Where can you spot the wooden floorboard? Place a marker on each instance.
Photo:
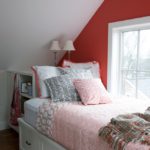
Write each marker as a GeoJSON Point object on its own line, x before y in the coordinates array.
{"type": "Point", "coordinates": [9, 140]}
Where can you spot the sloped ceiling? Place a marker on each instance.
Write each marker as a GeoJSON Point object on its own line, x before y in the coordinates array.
{"type": "Point", "coordinates": [28, 26]}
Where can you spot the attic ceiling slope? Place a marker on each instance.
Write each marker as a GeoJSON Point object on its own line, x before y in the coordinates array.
{"type": "Point", "coordinates": [27, 27]}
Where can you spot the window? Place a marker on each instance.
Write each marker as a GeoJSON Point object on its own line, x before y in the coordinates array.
{"type": "Point", "coordinates": [129, 58]}
{"type": "Point", "coordinates": [135, 63]}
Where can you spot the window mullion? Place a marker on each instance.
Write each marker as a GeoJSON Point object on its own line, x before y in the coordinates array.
{"type": "Point", "coordinates": [120, 87]}
{"type": "Point", "coordinates": [137, 63]}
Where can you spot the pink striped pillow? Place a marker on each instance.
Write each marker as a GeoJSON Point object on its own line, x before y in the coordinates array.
{"type": "Point", "coordinates": [92, 91]}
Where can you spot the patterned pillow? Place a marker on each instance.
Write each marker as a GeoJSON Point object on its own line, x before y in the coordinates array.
{"type": "Point", "coordinates": [44, 72]}
{"type": "Point", "coordinates": [92, 91]}
{"type": "Point", "coordinates": [61, 88]}
{"type": "Point", "coordinates": [74, 71]}
{"type": "Point", "coordinates": [93, 66]}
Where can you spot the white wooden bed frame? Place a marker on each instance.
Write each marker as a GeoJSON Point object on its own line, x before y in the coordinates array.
{"type": "Point", "coordinates": [31, 139]}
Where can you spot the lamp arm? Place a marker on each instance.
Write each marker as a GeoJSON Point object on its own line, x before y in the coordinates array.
{"type": "Point", "coordinates": [55, 58]}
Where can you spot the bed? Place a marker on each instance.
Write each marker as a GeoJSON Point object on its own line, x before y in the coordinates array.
{"type": "Point", "coordinates": [78, 133]}
{"type": "Point", "coordinates": [76, 108]}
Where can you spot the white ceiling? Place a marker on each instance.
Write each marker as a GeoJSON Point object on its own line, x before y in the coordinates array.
{"type": "Point", "coordinates": [28, 26]}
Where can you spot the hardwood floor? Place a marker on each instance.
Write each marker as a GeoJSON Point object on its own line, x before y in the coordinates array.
{"type": "Point", "coordinates": [9, 140]}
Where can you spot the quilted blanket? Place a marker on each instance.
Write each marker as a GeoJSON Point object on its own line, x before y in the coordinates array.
{"type": "Point", "coordinates": [129, 130]}
{"type": "Point", "coordinates": [76, 126]}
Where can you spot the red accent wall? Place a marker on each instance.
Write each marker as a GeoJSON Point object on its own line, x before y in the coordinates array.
{"type": "Point", "coordinates": [92, 43]}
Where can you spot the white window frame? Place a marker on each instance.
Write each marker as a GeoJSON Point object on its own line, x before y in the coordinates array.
{"type": "Point", "coordinates": [114, 46]}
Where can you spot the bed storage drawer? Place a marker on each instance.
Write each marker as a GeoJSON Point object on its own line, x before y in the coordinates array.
{"type": "Point", "coordinates": [31, 139]}
{"type": "Point", "coordinates": [28, 139]}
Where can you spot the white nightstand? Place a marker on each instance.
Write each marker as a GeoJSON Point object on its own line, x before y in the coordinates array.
{"type": "Point", "coordinates": [23, 77]}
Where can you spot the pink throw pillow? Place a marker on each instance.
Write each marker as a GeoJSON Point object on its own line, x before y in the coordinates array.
{"type": "Point", "coordinates": [92, 91]}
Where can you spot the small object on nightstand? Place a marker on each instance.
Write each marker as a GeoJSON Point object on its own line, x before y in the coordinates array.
{"type": "Point", "coordinates": [29, 87]}
{"type": "Point", "coordinates": [24, 88]}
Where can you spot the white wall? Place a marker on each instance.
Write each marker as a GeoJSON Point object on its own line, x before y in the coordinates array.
{"type": "Point", "coordinates": [3, 100]}
{"type": "Point", "coordinates": [28, 26]}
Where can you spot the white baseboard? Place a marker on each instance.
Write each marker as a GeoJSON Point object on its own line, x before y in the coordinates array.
{"type": "Point", "coordinates": [4, 125]}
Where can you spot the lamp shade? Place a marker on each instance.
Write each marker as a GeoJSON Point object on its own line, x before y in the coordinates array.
{"type": "Point", "coordinates": [69, 46]}
{"type": "Point", "coordinates": [55, 46]}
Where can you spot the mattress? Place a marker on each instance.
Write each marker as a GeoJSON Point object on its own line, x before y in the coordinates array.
{"type": "Point", "coordinates": [80, 123]}
{"type": "Point", "coordinates": [31, 108]}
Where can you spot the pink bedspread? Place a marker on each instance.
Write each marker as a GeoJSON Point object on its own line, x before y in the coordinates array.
{"type": "Point", "coordinates": [76, 126]}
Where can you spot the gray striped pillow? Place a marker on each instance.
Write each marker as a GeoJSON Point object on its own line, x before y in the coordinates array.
{"type": "Point", "coordinates": [61, 88]}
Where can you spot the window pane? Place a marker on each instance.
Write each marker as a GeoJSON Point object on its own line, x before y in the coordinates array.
{"type": "Point", "coordinates": [143, 87]}
{"type": "Point", "coordinates": [128, 63]}
{"type": "Point", "coordinates": [128, 80]}
{"type": "Point", "coordinates": [129, 50]}
{"type": "Point", "coordinates": [144, 51]}
{"type": "Point", "coordinates": [144, 64]}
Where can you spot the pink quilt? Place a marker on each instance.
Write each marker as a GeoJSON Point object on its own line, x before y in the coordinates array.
{"type": "Point", "coordinates": [76, 126]}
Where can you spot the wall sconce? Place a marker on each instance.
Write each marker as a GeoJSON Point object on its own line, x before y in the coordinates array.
{"type": "Point", "coordinates": [55, 48]}
{"type": "Point", "coordinates": [69, 47]}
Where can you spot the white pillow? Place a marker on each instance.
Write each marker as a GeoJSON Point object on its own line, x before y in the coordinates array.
{"type": "Point", "coordinates": [93, 66]}
{"type": "Point", "coordinates": [44, 72]}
